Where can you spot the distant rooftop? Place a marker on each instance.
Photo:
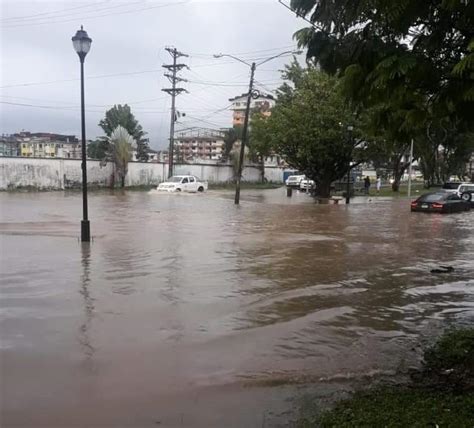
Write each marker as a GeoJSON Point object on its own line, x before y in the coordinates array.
{"type": "Point", "coordinates": [262, 95]}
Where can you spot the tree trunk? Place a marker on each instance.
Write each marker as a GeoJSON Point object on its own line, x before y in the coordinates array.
{"type": "Point", "coordinates": [398, 170]}
{"type": "Point", "coordinates": [396, 183]}
{"type": "Point", "coordinates": [262, 169]}
{"type": "Point", "coordinates": [324, 189]}
{"type": "Point", "coordinates": [123, 181]}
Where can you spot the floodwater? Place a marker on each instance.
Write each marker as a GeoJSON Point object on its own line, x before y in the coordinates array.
{"type": "Point", "coordinates": [188, 311]}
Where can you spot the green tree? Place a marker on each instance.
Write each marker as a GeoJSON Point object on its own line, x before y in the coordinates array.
{"type": "Point", "coordinates": [121, 143]}
{"type": "Point", "coordinates": [231, 136]}
{"type": "Point", "coordinates": [424, 47]}
{"type": "Point", "coordinates": [121, 115]}
{"type": "Point", "coordinates": [259, 148]}
{"type": "Point", "coordinates": [414, 58]}
{"type": "Point", "coordinates": [308, 127]}
{"type": "Point", "coordinates": [98, 149]}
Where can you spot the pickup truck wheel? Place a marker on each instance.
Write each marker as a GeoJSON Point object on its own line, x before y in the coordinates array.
{"type": "Point", "coordinates": [201, 189]}
{"type": "Point", "coordinates": [178, 190]}
{"type": "Point", "coordinates": [466, 196]}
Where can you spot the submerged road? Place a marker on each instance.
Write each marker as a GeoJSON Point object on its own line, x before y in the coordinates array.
{"type": "Point", "coordinates": [188, 311]}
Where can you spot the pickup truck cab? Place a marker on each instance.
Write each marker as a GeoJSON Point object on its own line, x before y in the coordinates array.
{"type": "Point", "coordinates": [464, 190]}
{"type": "Point", "coordinates": [183, 183]}
{"type": "Point", "coordinates": [294, 181]}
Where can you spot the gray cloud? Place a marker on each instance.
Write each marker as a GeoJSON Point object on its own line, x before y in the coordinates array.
{"type": "Point", "coordinates": [131, 39]}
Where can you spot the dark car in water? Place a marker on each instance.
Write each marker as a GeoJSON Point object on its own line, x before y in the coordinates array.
{"type": "Point", "coordinates": [440, 202]}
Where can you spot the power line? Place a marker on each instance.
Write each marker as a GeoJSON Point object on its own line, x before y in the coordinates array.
{"type": "Point", "coordinates": [198, 119]}
{"type": "Point", "coordinates": [98, 16]}
{"type": "Point", "coordinates": [100, 76]}
{"type": "Point", "coordinates": [91, 105]}
{"type": "Point", "coordinates": [73, 108]}
{"type": "Point", "coordinates": [52, 12]}
{"type": "Point", "coordinates": [211, 55]}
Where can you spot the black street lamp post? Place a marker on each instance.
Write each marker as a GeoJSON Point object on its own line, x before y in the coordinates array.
{"type": "Point", "coordinates": [82, 44]}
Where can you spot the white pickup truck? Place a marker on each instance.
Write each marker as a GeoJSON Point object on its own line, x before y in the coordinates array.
{"type": "Point", "coordinates": [183, 183]}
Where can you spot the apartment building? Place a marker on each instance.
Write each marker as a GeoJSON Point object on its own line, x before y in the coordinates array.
{"type": "Point", "coordinates": [199, 143]}
{"type": "Point", "coordinates": [264, 103]}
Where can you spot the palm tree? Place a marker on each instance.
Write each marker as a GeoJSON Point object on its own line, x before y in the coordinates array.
{"type": "Point", "coordinates": [121, 144]}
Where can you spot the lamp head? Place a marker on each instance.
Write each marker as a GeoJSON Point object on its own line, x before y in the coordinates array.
{"type": "Point", "coordinates": [81, 43]}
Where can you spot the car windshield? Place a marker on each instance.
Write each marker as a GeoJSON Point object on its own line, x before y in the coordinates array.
{"type": "Point", "coordinates": [175, 179]}
{"type": "Point", "coordinates": [432, 197]}
{"type": "Point", "coordinates": [450, 186]}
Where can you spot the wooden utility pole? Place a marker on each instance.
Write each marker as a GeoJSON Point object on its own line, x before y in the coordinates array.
{"type": "Point", "coordinates": [245, 133]}
{"type": "Point", "coordinates": [173, 91]}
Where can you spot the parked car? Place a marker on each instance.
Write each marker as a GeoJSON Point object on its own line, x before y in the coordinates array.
{"type": "Point", "coordinates": [440, 202]}
{"type": "Point", "coordinates": [183, 183]}
{"type": "Point", "coordinates": [306, 184]}
{"type": "Point", "coordinates": [294, 180]}
{"type": "Point", "coordinates": [465, 191]}
{"type": "Point", "coordinates": [451, 186]}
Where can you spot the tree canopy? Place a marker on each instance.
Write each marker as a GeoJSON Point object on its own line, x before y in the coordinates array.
{"type": "Point", "coordinates": [309, 127]}
{"type": "Point", "coordinates": [382, 47]}
{"type": "Point", "coordinates": [410, 61]}
{"type": "Point", "coordinates": [121, 115]}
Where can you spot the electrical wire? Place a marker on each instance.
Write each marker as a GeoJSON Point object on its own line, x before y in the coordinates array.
{"type": "Point", "coordinates": [100, 76]}
{"type": "Point", "coordinates": [27, 17]}
{"type": "Point", "coordinates": [99, 16]}
{"type": "Point", "coordinates": [211, 55]}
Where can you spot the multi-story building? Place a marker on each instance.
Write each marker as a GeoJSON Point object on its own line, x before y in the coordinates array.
{"type": "Point", "coordinates": [199, 143]}
{"type": "Point", "coordinates": [264, 103]}
{"type": "Point", "coordinates": [46, 145]}
{"type": "Point", "coordinates": [9, 146]}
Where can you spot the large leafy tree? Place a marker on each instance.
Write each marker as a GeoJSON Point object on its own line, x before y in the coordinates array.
{"type": "Point", "coordinates": [231, 136]}
{"type": "Point", "coordinates": [121, 143]}
{"type": "Point", "coordinates": [426, 46]}
{"type": "Point", "coordinates": [308, 127]}
{"type": "Point", "coordinates": [259, 148]}
{"type": "Point", "coordinates": [414, 58]}
{"type": "Point", "coordinates": [98, 149]}
{"type": "Point", "coordinates": [121, 115]}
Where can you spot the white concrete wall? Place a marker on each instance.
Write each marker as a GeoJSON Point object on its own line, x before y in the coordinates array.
{"type": "Point", "coordinates": [55, 174]}
{"type": "Point", "coordinates": [46, 174]}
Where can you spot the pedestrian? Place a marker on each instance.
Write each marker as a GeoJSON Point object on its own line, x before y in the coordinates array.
{"type": "Point", "coordinates": [367, 185]}
{"type": "Point", "coordinates": [378, 184]}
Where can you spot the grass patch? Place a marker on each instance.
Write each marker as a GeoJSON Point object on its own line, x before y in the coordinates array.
{"type": "Point", "coordinates": [399, 407]}
{"type": "Point", "coordinates": [417, 189]}
{"type": "Point", "coordinates": [440, 394]}
{"type": "Point", "coordinates": [449, 363]}
{"type": "Point", "coordinates": [244, 185]}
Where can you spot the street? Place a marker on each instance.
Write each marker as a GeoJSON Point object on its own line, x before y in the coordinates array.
{"type": "Point", "coordinates": [187, 310]}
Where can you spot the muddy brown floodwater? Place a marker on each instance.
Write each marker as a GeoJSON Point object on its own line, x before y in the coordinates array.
{"type": "Point", "coordinates": [189, 311]}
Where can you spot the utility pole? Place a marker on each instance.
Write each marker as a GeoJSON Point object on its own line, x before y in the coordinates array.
{"type": "Point", "coordinates": [350, 129]}
{"type": "Point", "coordinates": [245, 133]}
{"type": "Point", "coordinates": [173, 91]}
{"type": "Point", "coordinates": [409, 168]}
{"type": "Point", "coordinates": [250, 95]}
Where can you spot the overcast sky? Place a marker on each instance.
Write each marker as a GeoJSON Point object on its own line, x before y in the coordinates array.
{"type": "Point", "coordinates": [39, 65]}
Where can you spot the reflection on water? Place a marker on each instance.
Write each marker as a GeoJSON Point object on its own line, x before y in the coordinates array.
{"type": "Point", "coordinates": [88, 303]}
{"type": "Point", "coordinates": [181, 292]}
